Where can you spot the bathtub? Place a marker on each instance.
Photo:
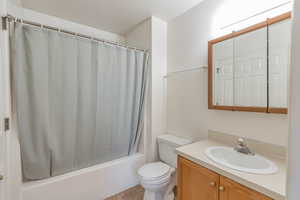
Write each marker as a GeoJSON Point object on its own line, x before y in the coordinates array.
{"type": "Point", "coordinates": [93, 183]}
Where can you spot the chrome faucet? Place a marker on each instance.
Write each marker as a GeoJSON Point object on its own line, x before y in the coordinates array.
{"type": "Point", "coordinates": [243, 148]}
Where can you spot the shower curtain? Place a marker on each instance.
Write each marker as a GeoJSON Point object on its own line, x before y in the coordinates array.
{"type": "Point", "coordinates": [78, 102]}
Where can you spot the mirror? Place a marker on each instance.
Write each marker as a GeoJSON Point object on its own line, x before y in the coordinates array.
{"type": "Point", "coordinates": [248, 69]}
{"type": "Point", "coordinates": [279, 58]}
{"type": "Point", "coordinates": [223, 73]}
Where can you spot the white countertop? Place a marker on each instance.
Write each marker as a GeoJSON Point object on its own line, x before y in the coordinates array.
{"type": "Point", "coordinates": [272, 185]}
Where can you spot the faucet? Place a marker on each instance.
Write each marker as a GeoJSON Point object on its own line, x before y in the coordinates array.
{"type": "Point", "coordinates": [243, 148]}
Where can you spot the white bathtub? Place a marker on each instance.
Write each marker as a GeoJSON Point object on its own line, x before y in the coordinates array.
{"type": "Point", "coordinates": [93, 183]}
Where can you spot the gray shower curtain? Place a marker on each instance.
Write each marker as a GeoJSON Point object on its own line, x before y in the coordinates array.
{"type": "Point", "coordinates": [78, 102]}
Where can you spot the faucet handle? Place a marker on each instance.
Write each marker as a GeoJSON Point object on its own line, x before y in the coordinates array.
{"type": "Point", "coordinates": [241, 141]}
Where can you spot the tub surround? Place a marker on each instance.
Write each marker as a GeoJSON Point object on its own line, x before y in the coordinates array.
{"type": "Point", "coordinates": [271, 185]}
{"type": "Point", "coordinates": [94, 183]}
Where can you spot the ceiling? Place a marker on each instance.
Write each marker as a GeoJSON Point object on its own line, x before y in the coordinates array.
{"type": "Point", "coordinates": [117, 16]}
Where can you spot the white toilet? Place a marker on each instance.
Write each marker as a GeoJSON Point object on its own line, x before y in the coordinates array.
{"type": "Point", "coordinates": [158, 178]}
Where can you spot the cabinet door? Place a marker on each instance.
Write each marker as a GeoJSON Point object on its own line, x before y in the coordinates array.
{"type": "Point", "coordinates": [250, 69]}
{"type": "Point", "coordinates": [223, 73]}
{"type": "Point", "coordinates": [230, 190]}
{"type": "Point", "coordinates": [196, 182]}
{"type": "Point", "coordinates": [279, 62]}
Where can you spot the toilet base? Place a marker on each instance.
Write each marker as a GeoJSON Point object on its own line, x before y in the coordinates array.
{"type": "Point", "coordinates": [165, 193]}
{"type": "Point", "coordinates": [149, 195]}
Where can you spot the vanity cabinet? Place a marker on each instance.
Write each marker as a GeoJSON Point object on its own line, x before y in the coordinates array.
{"type": "Point", "coordinates": [196, 182]}
{"type": "Point", "coordinates": [199, 183]}
{"type": "Point", "coordinates": [230, 190]}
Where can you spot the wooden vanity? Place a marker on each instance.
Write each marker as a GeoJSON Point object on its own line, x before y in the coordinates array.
{"type": "Point", "coordinates": [196, 182]}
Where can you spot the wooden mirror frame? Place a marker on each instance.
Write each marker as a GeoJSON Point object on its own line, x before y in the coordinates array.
{"type": "Point", "coordinates": [267, 109]}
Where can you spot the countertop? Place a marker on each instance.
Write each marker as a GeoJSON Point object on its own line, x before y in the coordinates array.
{"type": "Point", "coordinates": [272, 185]}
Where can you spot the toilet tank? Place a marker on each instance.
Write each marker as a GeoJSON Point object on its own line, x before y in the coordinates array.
{"type": "Point", "coordinates": [166, 148]}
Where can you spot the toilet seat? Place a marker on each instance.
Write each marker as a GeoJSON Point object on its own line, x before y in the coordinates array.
{"type": "Point", "coordinates": [155, 173]}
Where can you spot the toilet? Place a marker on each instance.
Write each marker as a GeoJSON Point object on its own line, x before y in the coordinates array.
{"type": "Point", "coordinates": [158, 178]}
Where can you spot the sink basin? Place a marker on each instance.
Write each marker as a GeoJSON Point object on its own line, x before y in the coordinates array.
{"type": "Point", "coordinates": [228, 157]}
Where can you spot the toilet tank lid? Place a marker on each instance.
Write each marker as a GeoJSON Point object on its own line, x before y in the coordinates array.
{"type": "Point", "coordinates": [174, 140]}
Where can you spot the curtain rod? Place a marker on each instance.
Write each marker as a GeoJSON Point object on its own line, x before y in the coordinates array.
{"type": "Point", "coordinates": [10, 18]}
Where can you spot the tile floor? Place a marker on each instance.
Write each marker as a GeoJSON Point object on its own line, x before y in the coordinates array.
{"type": "Point", "coordinates": [135, 193]}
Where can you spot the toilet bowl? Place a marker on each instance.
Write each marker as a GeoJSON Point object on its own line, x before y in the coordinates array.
{"type": "Point", "coordinates": [158, 178]}
{"type": "Point", "coordinates": [155, 179]}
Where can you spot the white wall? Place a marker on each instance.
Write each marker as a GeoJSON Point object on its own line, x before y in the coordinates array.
{"type": "Point", "coordinates": [186, 104]}
{"type": "Point", "coordinates": [11, 173]}
{"type": "Point", "coordinates": [37, 17]}
{"type": "Point", "coordinates": [158, 87]}
{"type": "Point", "coordinates": [188, 35]}
{"type": "Point", "coordinates": [3, 69]}
{"type": "Point", "coordinates": [151, 34]}
{"type": "Point", "coordinates": [294, 137]}
{"type": "Point", "coordinates": [140, 35]}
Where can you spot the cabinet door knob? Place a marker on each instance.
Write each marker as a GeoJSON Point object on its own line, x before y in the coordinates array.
{"type": "Point", "coordinates": [213, 184]}
{"type": "Point", "coordinates": [221, 188]}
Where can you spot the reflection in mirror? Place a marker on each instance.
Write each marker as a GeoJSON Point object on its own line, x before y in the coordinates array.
{"type": "Point", "coordinates": [279, 61]}
{"type": "Point", "coordinates": [250, 66]}
{"type": "Point", "coordinates": [223, 73]}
